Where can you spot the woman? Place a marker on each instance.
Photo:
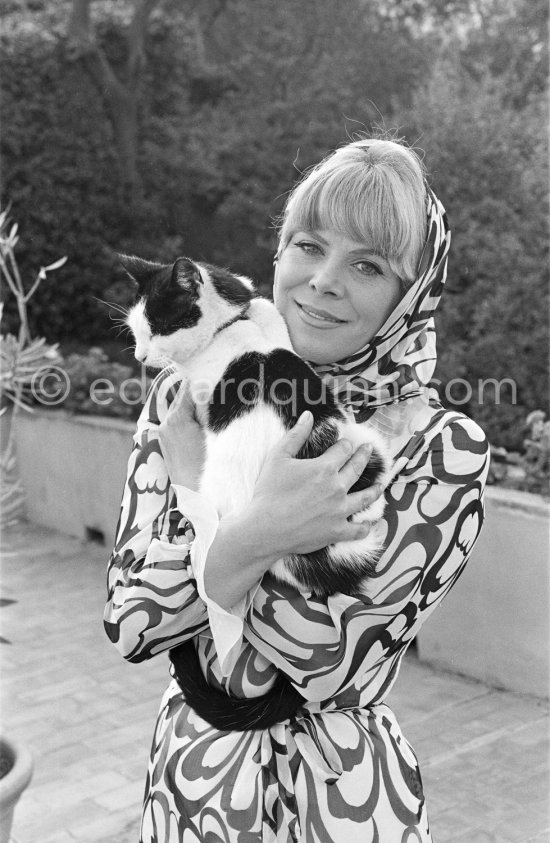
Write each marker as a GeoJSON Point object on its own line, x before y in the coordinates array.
{"type": "Point", "coordinates": [359, 271]}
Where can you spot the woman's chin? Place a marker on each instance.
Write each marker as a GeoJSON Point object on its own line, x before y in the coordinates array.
{"type": "Point", "coordinates": [310, 353]}
{"type": "Point", "coordinates": [314, 344]}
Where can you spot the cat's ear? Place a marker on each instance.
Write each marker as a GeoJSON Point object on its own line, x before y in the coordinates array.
{"type": "Point", "coordinates": [186, 274]}
{"type": "Point", "coordinates": [140, 270]}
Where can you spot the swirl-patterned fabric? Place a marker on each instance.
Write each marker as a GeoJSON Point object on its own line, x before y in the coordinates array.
{"type": "Point", "coordinates": [341, 770]}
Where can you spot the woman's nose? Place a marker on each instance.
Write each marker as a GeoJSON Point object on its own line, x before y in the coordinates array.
{"type": "Point", "coordinates": [326, 281]}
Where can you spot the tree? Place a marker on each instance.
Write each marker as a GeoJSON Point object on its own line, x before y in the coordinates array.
{"type": "Point", "coordinates": [304, 77]}
{"type": "Point", "coordinates": [509, 38]}
{"type": "Point", "coordinates": [119, 92]}
{"type": "Point", "coordinates": [120, 82]}
{"type": "Point", "coordinates": [488, 160]}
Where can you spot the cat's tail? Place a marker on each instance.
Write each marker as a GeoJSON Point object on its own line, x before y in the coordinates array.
{"type": "Point", "coordinates": [226, 712]}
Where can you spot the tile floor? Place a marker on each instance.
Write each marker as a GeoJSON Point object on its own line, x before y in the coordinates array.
{"type": "Point", "coordinates": [88, 716]}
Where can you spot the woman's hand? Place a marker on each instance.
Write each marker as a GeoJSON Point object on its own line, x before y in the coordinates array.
{"type": "Point", "coordinates": [301, 505]}
{"type": "Point", "coordinates": [182, 441]}
{"type": "Point", "coordinates": [298, 506]}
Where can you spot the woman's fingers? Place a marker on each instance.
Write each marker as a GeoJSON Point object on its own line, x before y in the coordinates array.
{"type": "Point", "coordinates": [183, 401]}
{"type": "Point", "coordinates": [355, 465]}
{"type": "Point", "coordinates": [296, 437]}
{"type": "Point", "coordinates": [358, 501]}
{"type": "Point", "coordinates": [182, 408]}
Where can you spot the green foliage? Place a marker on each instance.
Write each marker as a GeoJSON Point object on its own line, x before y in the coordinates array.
{"type": "Point", "coordinates": [20, 367]}
{"type": "Point", "coordinates": [293, 97]}
{"type": "Point", "coordinates": [488, 160]}
{"type": "Point", "coordinates": [22, 357]}
{"type": "Point", "coordinates": [236, 103]}
{"type": "Point", "coordinates": [217, 142]}
{"type": "Point", "coordinates": [94, 385]}
{"type": "Point", "coordinates": [57, 158]}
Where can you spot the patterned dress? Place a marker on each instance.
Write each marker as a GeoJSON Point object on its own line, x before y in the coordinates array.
{"type": "Point", "coordinates": [340, 770]}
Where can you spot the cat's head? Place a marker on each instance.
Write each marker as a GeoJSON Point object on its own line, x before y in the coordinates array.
{"type": "Point", "coordinates": [180, 307]}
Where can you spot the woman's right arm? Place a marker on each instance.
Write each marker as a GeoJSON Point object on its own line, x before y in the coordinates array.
{"type": "Point", "coordinates": [299, 505]}
{"type": "Point", "coordinates": [153, 603]}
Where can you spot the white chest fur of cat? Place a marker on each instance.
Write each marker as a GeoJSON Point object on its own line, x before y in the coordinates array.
{"type": "Point", "coordinates": [233, 350]}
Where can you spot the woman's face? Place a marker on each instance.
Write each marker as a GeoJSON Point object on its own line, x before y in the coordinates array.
{"type": "Point", "coordinates": [333, 293]}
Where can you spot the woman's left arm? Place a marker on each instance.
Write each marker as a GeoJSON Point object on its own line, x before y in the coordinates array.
{"type": "Point", "coordinates": [433, 515]}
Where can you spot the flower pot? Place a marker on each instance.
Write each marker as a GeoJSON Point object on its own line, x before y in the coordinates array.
{"type": "Point", "coordinates": [14, 782]}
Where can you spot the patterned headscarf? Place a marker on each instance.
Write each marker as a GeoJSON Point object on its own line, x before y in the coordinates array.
{"type": "Point", "coordinates": [398, 363]}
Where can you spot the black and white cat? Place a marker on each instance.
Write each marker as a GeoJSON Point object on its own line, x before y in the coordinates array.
{"type": "Point", "coordinates": [233, 349]}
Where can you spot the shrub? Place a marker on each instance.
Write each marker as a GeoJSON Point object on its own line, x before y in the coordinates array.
{"type": "Point", "coordinates": [91, 384]}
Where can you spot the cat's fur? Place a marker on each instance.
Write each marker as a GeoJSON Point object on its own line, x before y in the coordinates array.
{"type": "Point", "coordinates": [233, 349]}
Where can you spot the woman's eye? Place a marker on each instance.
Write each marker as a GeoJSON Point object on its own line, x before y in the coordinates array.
{"type": "Point", "coordinates": [368, 268]}
{"type": "Point", "coordinates": [308, 247]}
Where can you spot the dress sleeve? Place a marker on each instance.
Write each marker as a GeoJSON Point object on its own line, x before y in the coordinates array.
{"type": "Point", "coordinates": [347, 648]}
{"type": "Point", "coordinates": [153, 603]}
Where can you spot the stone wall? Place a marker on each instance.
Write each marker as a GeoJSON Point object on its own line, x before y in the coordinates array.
{"type": "Point", "coordinates": [494, 625]}
{"type": "Point", "coordinates": [73, 470]}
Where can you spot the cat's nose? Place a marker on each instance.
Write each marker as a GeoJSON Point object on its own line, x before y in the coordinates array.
{"type": "Point", "coordinates": [140, 355]}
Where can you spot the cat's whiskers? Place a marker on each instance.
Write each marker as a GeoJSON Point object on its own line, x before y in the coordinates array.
{"type": "Point", "coordinates": [122, 327]}
{"type": "Point", "coordinates": [117, 320]}
{"type": "Point", "coordinates": [114, 306]}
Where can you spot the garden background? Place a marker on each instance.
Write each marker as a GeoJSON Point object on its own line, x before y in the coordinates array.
{"type": "Point", "coordinates": [178, 126]}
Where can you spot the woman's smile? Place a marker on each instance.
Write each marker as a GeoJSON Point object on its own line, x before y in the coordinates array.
{"type": "Point", "coordinates": [334, 294]}
{"type": "Point", "coordinates": [321, 318]}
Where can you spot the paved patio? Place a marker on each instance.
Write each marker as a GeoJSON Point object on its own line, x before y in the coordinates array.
{"type": "Point", "coordinates": [88, 716]}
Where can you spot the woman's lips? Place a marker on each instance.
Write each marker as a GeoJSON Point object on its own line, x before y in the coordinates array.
{"type": "Point", "coordinates": [321, 317]}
